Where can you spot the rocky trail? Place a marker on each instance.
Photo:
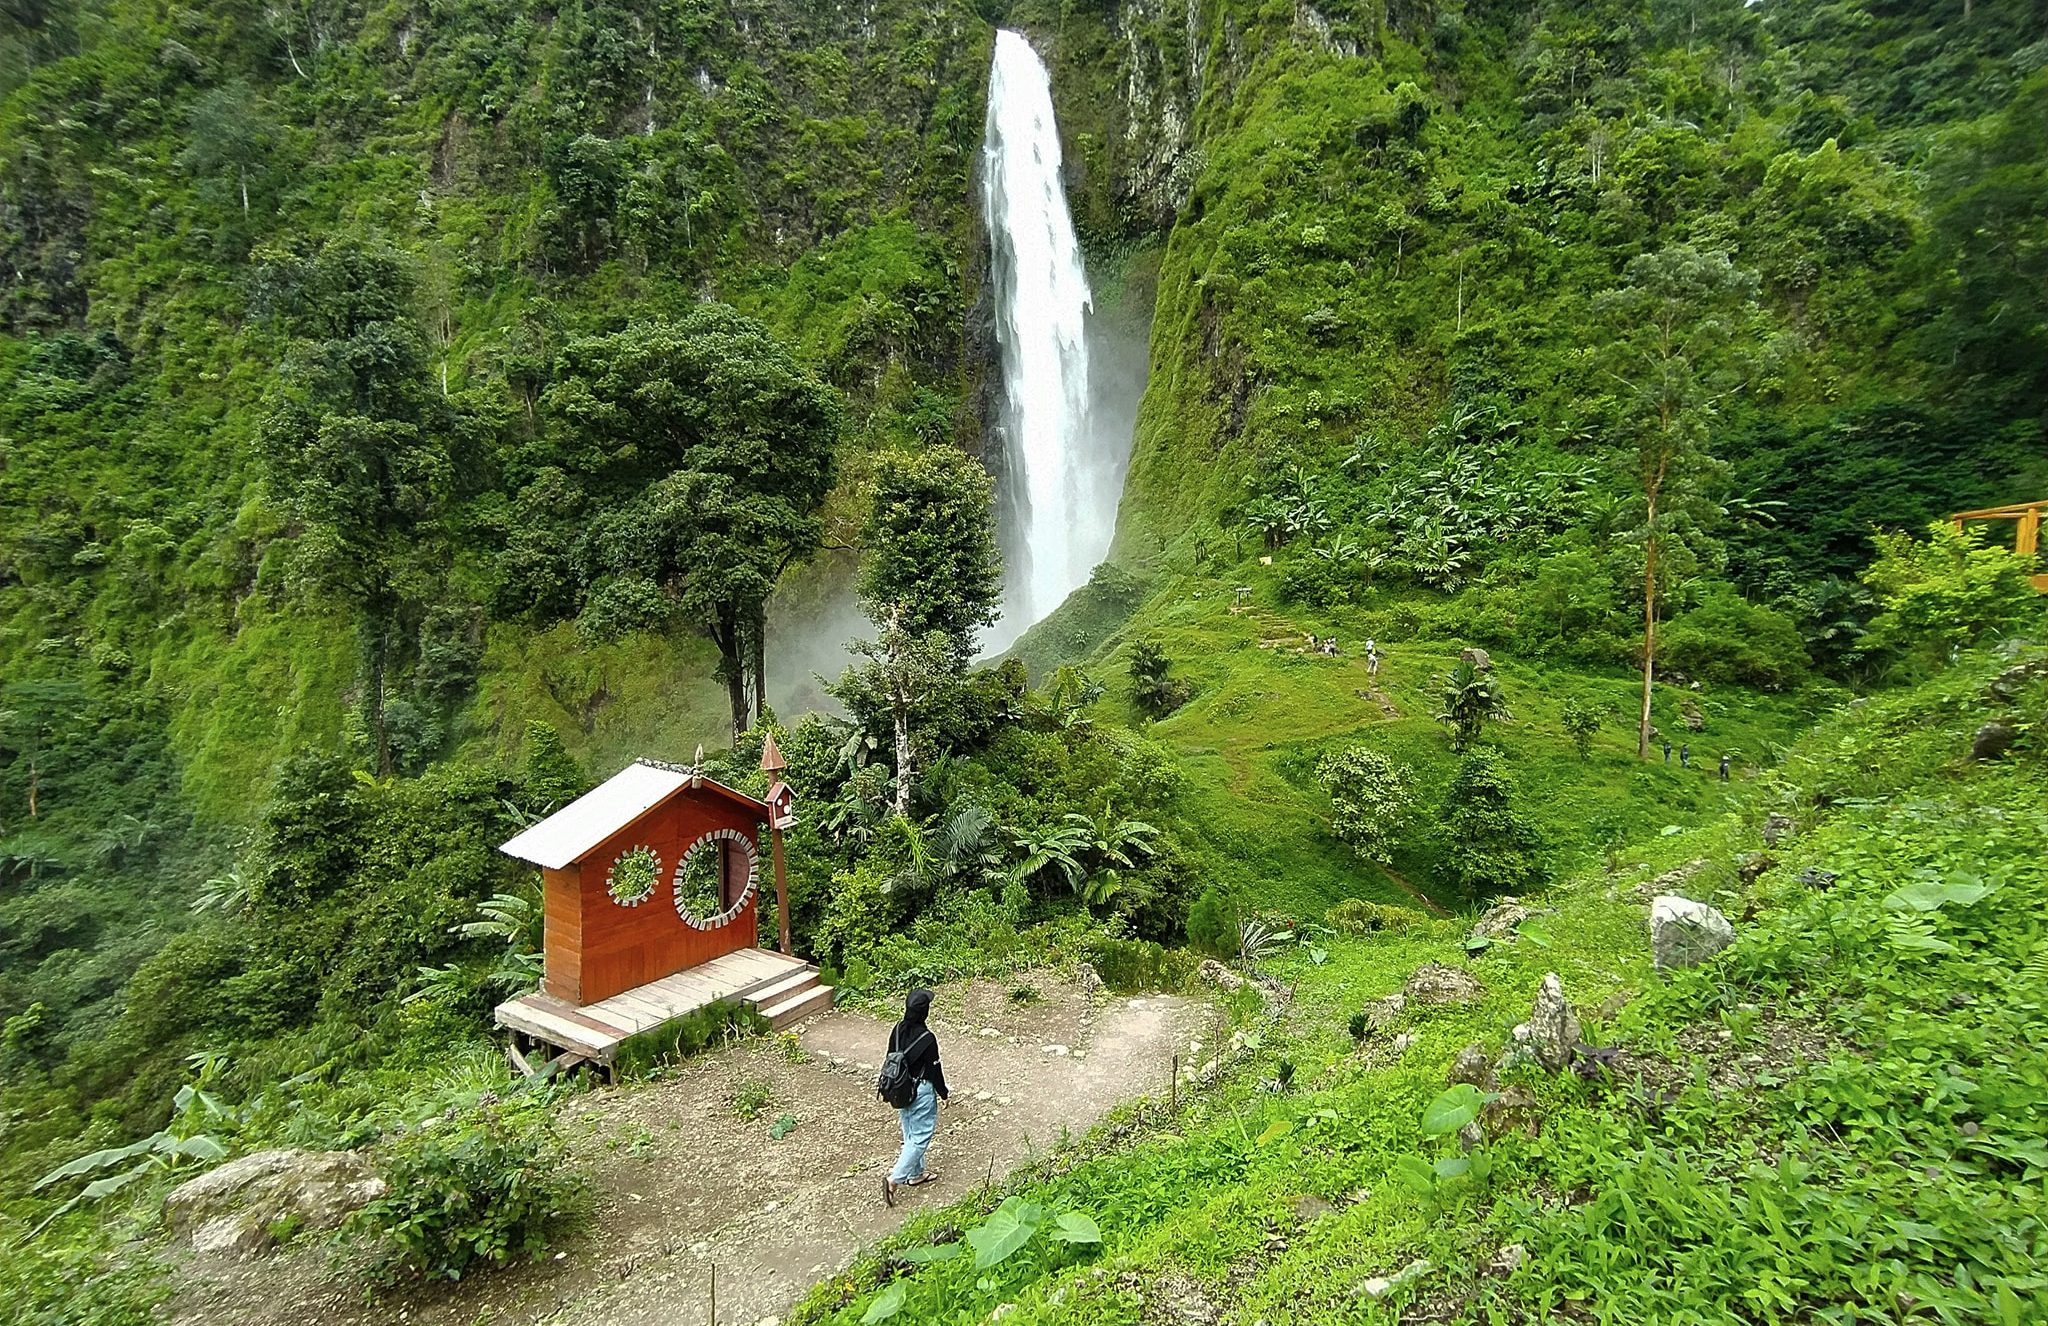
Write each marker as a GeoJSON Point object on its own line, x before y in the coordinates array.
{"type": "Point", "coordinates": [683, 1183]}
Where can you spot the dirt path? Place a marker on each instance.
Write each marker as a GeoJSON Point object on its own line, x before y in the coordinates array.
{"type": "Point", "coordinates": [683, 1183]}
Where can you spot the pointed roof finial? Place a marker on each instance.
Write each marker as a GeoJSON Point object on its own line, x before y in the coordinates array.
{"type": "Point", "coordinates": [771, 755]}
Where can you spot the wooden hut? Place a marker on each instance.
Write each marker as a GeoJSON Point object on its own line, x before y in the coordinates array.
{"type": "Point", "coordinates": [651, 883]}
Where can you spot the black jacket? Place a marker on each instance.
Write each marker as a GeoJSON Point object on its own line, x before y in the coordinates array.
{"type": "Point", "coordinates": [913, 1036]}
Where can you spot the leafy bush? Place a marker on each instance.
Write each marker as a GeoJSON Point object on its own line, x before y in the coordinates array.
{"type": "Point", "coordinates": [1488, 846]}
{"type": "Point", "coordinates": [1727, 639]}
{"type": "Point", "coordinates": [1130, 966]}
{"type": "Point", "coordinates": [701, 1029]}
{"type": "Point", "coordinates": [1153, 690]}
{"type": "Point", "coordinates": [1580, 722]}
{"type": "Point", "coordinates": [1945, 594]}
{"type": "Point", "coordinates": [1361, 916]}
{"type": "Point", "coordinates": [1212, 923]}
{"type": "Point", "coordinates": [485, 1187]}
{"type": "Point", "coordinates": [1370, 797]}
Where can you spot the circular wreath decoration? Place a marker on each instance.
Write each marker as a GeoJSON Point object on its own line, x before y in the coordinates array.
{"type": "Point", "coordinates": [697, 880]}
{"type": "Point", "coordinates": [633, 876]}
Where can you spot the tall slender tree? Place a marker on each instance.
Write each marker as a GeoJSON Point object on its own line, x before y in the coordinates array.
{"type": "Point", "coordinates": [1675, 321]}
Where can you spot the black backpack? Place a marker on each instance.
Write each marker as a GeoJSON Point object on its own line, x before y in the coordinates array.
{"type": "Point", "coordinates": [896, 1084]}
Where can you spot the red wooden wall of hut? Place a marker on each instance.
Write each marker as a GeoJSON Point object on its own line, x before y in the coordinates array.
{"type": "Point", "coordinates": [597, 946]}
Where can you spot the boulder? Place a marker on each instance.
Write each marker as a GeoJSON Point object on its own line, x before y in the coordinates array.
{"type": "Point", "coordinates": [2008, 685]}
{"type": "Point", "coordinates": [1381, 1014]}
{"type": "Point", "coordinates": [1478, 658]}
{"type": "Point", "coordinates": [1434, 983]}
{"type": "Point", "coordinates": [1993, 740]}
{"type": "Point", "coordinates": [237, 1208]}
{"type": "Point", "coordinates": [1500, 921]}
{"type": "Point", "coordinates": [1551, 1032]}
{"type": "Point", "coordinates": [1776, 828]}
{"type": "Point", "coordinates": [1684, 933]}
{"type": "Point", "coordinates": [1514, 1110]}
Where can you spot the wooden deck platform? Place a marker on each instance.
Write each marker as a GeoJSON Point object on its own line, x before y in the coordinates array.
{"type": "Point", "coordinates": [781, 988]}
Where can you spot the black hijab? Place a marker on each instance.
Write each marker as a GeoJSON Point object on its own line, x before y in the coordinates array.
{"type": "Point", "coordinates": [916, 1006]}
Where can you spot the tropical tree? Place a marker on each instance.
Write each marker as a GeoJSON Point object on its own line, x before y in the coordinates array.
{"type": "Point", "coordinates": [1154, 690]}
{"type": "Point", "coordinates": [1472, 697]}
{"type": "Point", "coordinates": [1675, 322]}
{"type": "Point", "coordinates": [1370, 799]}
{"type": "Point", "coordinates": [1488, 846]}
{"type": "Point", "coordinates": [930, 545]}
{"type": "Point", "coordinates": [356, 441]}
{"type": "Point", "coordinates": [906, 677]}
{"type": "Point", "coordinates": [709, 450]}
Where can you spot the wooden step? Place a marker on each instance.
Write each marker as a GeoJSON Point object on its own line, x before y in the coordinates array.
{"type": "Point", "coordinates": [797, 1007]}
{"type": "Point", "coordinates": [782, 987]}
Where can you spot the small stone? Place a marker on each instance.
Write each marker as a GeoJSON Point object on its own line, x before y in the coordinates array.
{"type": "Point", "coordinates": [1776, 828]}
{"type": "Point", "coordinates": [1500, 921]}
{"type": "Point", "coordinates": [1992, 740]}
{"type": "Point", "coordinates": [1402, 1042]}
{"type": "Point", "coordinates": [1473, 1067]}
{"type": "Point", "coordinates": [1684, 933]}
{"type": "Point", "coordinates": [1002, 1100]}
{"type": "Point", "coordinates": [981, 1095]}
{"type": "Point", "coordinates": [1753, 866]}
{"type": "Point", "coordinates": [1434, 983]}
{"type": "Point", "coordinates": [1311, 1207]}
{"type": "Point", "coordinates": [990, 1031]}
{"type": "Point", "coordinates": [1508, 1260]}
{"type": "Point", "coordinates": [1056, 1051]}
{"type": "Point", "coordinates": [700, 1247]}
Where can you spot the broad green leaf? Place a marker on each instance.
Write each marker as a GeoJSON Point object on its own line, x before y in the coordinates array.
{"type": "Point", "coordinates": [111, 1184]}
{"type": "Point", "coordinates": [1274, 1131]}
{"type": "Point", "coordinates": [1535, 934]}
{"type": "Point", "coordinates": [1008, 1228]}
{"type": "Point", "coordinates": [1926, 896]}
{"type": "Point", "coordinates": [1452, 1167]}
{"type": "Point", "coordinates": [1417, 1173]}
{"type": "Point", "coordinates": [886, 1305]}
{"type": "Point", "coordinates": [198, 1147]}
{"type": "Point", "coordinates": [1454, 1109]}
{"type": "Point", "coordinates": [86, 1164]}
{"type": "Point", "coordinates": [932, 1252]}
{"type": "Point", "coordinates": [1076, 1227]}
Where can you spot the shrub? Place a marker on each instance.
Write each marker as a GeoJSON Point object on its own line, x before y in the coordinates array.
{"type": "Point", "coordinates": [1370, 797]}
{"type": "Point", "coordinates": [1153, 691]}
{"type": "Point", "coordinates": [482, 1188]}
{"type": "Point", "coordinates": [1212, 924]}
{"type": "Point", "coordinates": [1488, 847]}
{"type": "Point", "coordinates": [1131, 966]}
{"type": "Point", "coordinates": [699, 1030]}
{"type": "Point", "coordinates": [1727, 639]}
{"type": "Point", "coordinates": [1581, 721]}
{"type": "Point", "coordinates": [1360, 916]}
{"type": "Point", "coordinates": [1946, 594]}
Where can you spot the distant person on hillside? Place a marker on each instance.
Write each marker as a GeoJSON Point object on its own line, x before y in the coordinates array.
{"type": "Point", "coordinates": [1667, 750]}
{"type": "Point", "coordinates": [1724, 768]}
{"type": "Point", "coordinates": [1685, 756]}
{"type": "Point", "coordinates": [1372, 659]}
{"type": "Point", "coordinates": [912, 1081]}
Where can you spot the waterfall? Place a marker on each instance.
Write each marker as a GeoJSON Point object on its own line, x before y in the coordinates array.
{"type": "Point", "coordinates": [1064, 453]}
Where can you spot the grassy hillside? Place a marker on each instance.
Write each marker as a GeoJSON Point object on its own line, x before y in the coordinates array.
{"type": "Point", "coordinates": [1841, 1114]}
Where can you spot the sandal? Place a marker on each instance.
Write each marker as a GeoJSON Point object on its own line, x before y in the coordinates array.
{"type": "Point", "coordinates": [888, 1192]}
{"type": "Point", "coordinates": [919, 1181]}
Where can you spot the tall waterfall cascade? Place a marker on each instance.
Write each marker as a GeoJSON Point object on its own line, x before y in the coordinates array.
{"type": "Point", "coordinates": [1064, 453]}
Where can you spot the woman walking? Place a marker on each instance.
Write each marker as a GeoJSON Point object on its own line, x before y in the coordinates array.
{"type": "Point", "coordinates": [913, 1081]}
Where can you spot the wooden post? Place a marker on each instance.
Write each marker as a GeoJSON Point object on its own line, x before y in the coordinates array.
{"type": "Point", "coordinates": [781, 886]}
{"type": "Point", "coordinates": [1173, 1087]}
{"type": "Point", "coordinates": [714, 1294]}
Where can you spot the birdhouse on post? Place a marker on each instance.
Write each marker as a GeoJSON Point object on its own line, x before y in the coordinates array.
{"type": "Point", "coordinates": [781, 815]}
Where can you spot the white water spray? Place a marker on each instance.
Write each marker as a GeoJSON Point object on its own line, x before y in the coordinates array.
{"type": "Point", "coordinates": [1065, 459]}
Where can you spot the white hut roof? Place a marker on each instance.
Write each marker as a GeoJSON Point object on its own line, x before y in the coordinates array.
{"type": "Point", "coordinates": [576, 828]}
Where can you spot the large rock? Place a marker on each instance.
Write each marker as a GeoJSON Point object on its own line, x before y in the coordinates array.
{"type": "Point", "coordinates": [240, 1207]}
{"type": "Point", "coordinates": [1474, 1068]}
{"type": "Point", "coordinates": [1434, 983]}
{"type": "Point", "coordinates": [1552, 1031]}
{"type": "Point", "coordinates": [1684, 933]}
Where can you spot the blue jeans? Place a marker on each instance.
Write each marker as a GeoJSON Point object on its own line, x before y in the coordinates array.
{"type": "Point", "coordinates": [920, 1119]}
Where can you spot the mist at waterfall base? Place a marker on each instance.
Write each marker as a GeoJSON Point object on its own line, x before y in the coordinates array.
{"type": "Point", "coordinates": [1072, 376]}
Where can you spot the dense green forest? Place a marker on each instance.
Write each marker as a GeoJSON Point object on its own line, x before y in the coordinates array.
{"type": "Point", "coordinates": [412, 411]}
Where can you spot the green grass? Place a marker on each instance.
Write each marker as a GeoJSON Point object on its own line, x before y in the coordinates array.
{"type": "Point", "coordinates": [1889, 1170]}
{"type": "Point", "coordinates": [1263, 712]}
